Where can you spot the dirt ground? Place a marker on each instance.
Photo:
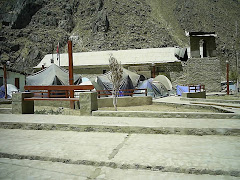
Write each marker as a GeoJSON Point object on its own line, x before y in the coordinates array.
{"type": "Point", "coordinates": [225, 97]}
{"type": "Point", "coordinates": [153, 107]}
{"type": "Point", "coordinates": [157, 107]}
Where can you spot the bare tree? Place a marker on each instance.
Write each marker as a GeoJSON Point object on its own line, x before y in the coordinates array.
{"type": "Point", "coordinates": [115, 77]}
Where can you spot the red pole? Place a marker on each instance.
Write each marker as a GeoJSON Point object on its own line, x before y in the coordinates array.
{"type": "Point", "coordinates": [5, 79]}
{"type": "Point", "coordinates": [70, 69]}
{"type": "Point", "coordinates": [227, 77]}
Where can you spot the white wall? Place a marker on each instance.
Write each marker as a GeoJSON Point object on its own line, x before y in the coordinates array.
{"type": "Point", "coordinates": [11, 78]}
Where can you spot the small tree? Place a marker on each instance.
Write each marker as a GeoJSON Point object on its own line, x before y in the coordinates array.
{"type": "Point", "coordinates": [116, 75]}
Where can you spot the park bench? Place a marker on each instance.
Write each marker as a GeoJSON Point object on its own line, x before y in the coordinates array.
{"type": "Point", "coordinates": [56, 92]}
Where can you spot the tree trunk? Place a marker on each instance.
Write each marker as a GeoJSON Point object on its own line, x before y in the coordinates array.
{"type": "Point", "coordinates": [115, 99]}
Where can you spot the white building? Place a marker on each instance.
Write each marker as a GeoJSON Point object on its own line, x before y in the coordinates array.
{"type": "Point", "coordinates": [97, 62]}
{"type": "Point", "coordinates": [14, 77]}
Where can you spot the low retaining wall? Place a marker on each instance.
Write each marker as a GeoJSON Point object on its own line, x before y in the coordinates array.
{"type": "Point", "coordinates": [102, 102]}
{"type": "Point", "coordinates": [194, 95]}
{"type": "Point", "coordinates": [155, 114]}
{"type": "Point", "coordinates": [125, 101]}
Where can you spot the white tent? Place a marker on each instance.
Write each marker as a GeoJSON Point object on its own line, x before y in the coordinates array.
{"type": "Point", "coordinates": [53, 75]}
{"type": "Point", "coordinates": [164, 81]}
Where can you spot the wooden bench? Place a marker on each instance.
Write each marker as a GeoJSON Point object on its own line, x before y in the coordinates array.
{"type": "Point", "coordinates": [56, 93]}
{"type": "Point", "coordinates": [124, 92]}
{"type": "Point", "coordinates": [51, 99]}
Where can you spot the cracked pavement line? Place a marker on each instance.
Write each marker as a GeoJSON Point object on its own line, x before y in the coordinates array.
{"type": "Point", "coordinates": [116, 150]}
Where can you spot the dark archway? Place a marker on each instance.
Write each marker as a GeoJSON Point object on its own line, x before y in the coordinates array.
{"type": "Point", "coordinates": [204, 49]}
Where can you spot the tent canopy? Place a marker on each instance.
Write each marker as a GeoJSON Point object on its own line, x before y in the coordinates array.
{"type": "Point", "coordinates": [163, 90]}
{"type": "Point", "coordinates": [164, 81]}
{"type": "Point", "coordinates": [53, 75]}
{"type": "Point", "coordinates": [152, 90]}
{"type": "Point", "coordinates": [129, 81]}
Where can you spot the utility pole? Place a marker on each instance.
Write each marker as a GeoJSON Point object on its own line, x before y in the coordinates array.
{"type": "Point", "coordinates": [70, 70]}
{"type": "Point", "coordinates": [227, 77]}
{"type": "Point", "coordinates": [237, 88]}
{"type": "Point", "coordinates": [5, 78]}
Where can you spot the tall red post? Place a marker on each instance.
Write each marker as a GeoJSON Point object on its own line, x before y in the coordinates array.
{"type": "Point", "coordinates": [227, 77]}
{"type": "Point", "coordinates": [5, 79]}
{"type": "Point", "coordinates": [70, 69]}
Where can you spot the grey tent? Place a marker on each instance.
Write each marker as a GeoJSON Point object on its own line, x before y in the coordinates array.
{"type": "Point", "coordinates": [152, 90]}
{"type": "Point", "coordinates": [129, 81]}
{"type": "Point", "coordinates": [163, 90]}
{"type": "Point", "coordinates": [53, 75]}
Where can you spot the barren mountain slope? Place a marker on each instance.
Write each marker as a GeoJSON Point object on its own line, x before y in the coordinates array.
{"type": "Point", "coordinates": [30, 28]}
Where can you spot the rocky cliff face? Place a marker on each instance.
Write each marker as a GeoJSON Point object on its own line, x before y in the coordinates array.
{"type": "Point", "coordinates": [29, 29]}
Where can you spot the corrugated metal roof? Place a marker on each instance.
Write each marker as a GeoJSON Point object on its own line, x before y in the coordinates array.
{"type": "Point", "coordinates": [136, 56]}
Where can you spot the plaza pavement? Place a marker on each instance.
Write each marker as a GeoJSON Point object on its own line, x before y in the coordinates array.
{"type": "Point", "coordinates": [70, 154]}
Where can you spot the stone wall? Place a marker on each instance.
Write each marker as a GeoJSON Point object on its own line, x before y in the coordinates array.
{"type": "Point", "coordinates": [205, 71]}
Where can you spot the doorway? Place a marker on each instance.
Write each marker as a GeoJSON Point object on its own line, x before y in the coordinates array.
{"type": "Point", "coordinates": [17, 83]}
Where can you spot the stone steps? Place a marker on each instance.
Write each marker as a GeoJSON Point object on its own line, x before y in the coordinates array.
{"type": "Point", "coordinates": [5, 110]}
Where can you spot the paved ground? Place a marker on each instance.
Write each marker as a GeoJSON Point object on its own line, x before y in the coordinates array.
{"type": "Point", "coordinates": [171, 153]}
{"type": "Point", "coordinates": [44, 154]}
{"type": "Point", "coordinates": [122, 121]}
{"type": "Point", "coordinates": [33, 169]}
{"type": "Point", "coordinates": [184, 126]}
{"type": "Point", "coordinates": [178, 100]}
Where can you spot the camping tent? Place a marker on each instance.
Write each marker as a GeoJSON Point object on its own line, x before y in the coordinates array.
{"type": "Point", "coordinates": [53, 75]}
{"type": "Point", "coordinates": [164, 81]}
{"type": "Point", "coordinates": [86, 81]}
{"type": "Point", "coordinates": [152, 90]}
{"type": "Point", "coordinates": [163, 90]}
{"type": "Point", "coordinates": [10, 89]}
{"type": "Point", "coordinates": [129, 81]}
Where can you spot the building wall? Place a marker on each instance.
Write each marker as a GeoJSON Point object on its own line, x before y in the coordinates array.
{"type": "Point", "coordinates": [204, 71]}
{"type": "Point", "coordinates": [11, 78]}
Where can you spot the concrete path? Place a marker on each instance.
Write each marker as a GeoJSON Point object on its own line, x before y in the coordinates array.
{"type": "Point", "coordinates": [122, 124]}
{"type": "Point", "coordinates": [205, 102]}
{"type": "Point", "coordinates": [78, 147]}
{"type": "Point", "coordinates": [33, 169]}
{"type": "Point", "coordinates": [215, 155]}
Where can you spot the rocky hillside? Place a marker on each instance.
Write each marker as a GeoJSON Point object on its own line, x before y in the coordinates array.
{"type": "Point", "coordinates": [29, 29]}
